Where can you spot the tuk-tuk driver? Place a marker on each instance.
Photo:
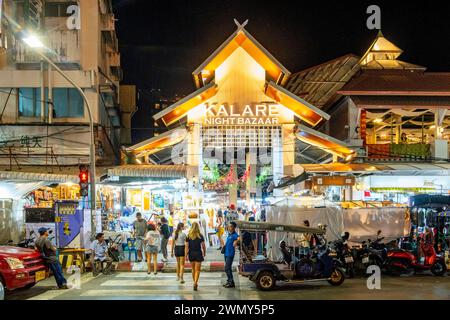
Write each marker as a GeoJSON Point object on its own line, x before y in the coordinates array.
{"type": "Point", "coordinates": [305, 239]}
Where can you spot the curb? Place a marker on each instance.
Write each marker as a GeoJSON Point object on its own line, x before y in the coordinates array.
{"type": "Point", "coordinates": [208, 266]}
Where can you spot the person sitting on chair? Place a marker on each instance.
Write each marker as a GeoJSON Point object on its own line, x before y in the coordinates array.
{"type": "Point", "coordinates": [100, 255]}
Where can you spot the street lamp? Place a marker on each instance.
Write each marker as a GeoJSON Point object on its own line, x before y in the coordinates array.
{"type": "Point", "coordinates": [34, 42]}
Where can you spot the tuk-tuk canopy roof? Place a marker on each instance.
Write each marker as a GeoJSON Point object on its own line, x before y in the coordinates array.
{"type": "Point", "coordinates": [267, 226]}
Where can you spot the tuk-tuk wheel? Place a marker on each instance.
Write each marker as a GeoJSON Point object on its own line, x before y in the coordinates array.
{"type": "Point", "coordinates": [265, 281]}
{"type": "Point", "coordinates": [337, 277]}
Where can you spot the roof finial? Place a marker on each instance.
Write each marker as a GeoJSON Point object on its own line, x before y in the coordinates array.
{"type": "Point", "coordinates": [380, 34]}
{"type": "Point", "coordinates": [239, 25]}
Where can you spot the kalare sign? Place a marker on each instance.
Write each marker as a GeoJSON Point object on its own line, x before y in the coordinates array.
{"type": "Point", "coordinates": [257, 114]}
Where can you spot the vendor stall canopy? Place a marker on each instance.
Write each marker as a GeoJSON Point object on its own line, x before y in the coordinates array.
{"type": "Point", "coordinates": [266, 226]}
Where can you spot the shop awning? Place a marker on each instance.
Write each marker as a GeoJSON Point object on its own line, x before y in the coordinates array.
{"type": "Point", "coordinates": [33, 176]}
{"type": "Point", "coordinates": [180, 109]}
{"type": "Point", "coordinates": [403, 168]}
{"type": "Point", "coordinates": [300, 178]}
{"type": "Point", "coordinates": [267, 226]}
{"type": "Point", "coordinates": [149, 171]}
{"type": "Point", "coordinates": [323, 141]}
{"type": "Point", "coordinates": [301, 108]}
{"type": "Point", "coordinates": [162, 141]}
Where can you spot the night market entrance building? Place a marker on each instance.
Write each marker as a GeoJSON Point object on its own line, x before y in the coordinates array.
{"type": "Point", "coordinates": [238, 130]}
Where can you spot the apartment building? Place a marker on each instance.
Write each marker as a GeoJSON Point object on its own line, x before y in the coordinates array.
{"type": "Point", "coordinates": [43, 118]}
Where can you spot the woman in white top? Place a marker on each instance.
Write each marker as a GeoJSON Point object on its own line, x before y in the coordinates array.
{"type": "Point", "coordinates": [153, 242]}
{"type": "Point", "coordinates": [178, 249]}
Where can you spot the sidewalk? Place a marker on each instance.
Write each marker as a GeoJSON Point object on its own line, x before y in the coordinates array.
{"type": "Point", "coordinates": [214, 262]}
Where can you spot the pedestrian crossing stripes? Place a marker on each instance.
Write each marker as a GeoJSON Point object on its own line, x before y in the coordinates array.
{"type": "Point", "coordinates": [162, 286]}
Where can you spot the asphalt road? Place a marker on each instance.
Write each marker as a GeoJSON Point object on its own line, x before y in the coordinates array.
{"type": "Point", "coordinates": [138, 285]}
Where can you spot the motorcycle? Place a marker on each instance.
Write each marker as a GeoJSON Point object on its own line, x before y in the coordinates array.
{"type": "Point", "coordinates": [28, 242]}
{"type": "Point", "coordinates": [366, 256]}
{"type": "Point", "coordinates": [345, 256]}
{"type": "Point", "coordinates": [400, 261]}
{"type": "Point", "coordinates": [113, 248]}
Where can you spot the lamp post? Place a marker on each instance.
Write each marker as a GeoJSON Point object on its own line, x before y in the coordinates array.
{"type": "Point", "coordinates": [33, 42]}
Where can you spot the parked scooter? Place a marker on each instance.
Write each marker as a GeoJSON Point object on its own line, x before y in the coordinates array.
{"type": "Point", "coordinates": [344, 255]}
{"type": "Point", "coordinates": [400, 261]}
{"type": "Point", "coordinates": [28, 242]}
{"type": "Point", "coordinates": [366, 256]}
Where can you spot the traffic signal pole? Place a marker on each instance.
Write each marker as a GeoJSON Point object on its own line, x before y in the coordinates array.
{"type": "Point", "coordinates": [92, 140]}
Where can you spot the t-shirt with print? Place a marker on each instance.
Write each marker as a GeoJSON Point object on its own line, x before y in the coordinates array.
{"type": "Point", "coordinates": [153, 238]}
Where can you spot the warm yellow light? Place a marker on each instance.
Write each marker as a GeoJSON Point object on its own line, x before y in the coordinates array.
{"type": "Point", "coordinates": [349, 157]}
{"type": "Point", "coordinates": [138, 161]}
{"type": "Point", "coordinates": [432, 127]}
{"type": "Point", "coordinates": [33, 41]}
{"type": "Point", "coordinates": [378, 120]}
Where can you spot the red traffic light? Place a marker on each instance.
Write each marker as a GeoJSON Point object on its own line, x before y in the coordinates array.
{"type": "Point", "coordinates": [83, 177]}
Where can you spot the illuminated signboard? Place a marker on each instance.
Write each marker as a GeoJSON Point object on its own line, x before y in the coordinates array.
{"type": "Point", "coordinates": [254, 114]}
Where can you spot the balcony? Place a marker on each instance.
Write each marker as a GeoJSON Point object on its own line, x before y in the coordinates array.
{"type": "Point", "coordinates": [107, 22]}
{"type": "Point", "coordinates": [65, 44]}
{"type": "Point", "coordinates": [398, 152]}
{"type": "Point", "coordinates": [114, 59]}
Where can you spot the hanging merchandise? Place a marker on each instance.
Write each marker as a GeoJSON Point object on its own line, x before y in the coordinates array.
{"type": "Point", "coordinates": [244, 178]}
{"type": "Point", "coordinates": [231, 177]}
{"type": "Point", "coordinates": [262, 177]}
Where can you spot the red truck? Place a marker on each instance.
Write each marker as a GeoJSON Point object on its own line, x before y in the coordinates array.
{"type": "Point", "coordinates": [20, 268]}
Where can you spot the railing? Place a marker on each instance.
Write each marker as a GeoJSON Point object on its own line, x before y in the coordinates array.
{"type": "Point", "coordinates": [63, 43]}
{"type": "Point", "coordinates": [399, 152]}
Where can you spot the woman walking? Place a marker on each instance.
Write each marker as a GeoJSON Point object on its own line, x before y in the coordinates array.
{"type": "Point", "coordinates": [153, 241]}
{"type": "Point", "coordinates": [195, 251]}
{"type": "Point", "coordinates": [178, 249]}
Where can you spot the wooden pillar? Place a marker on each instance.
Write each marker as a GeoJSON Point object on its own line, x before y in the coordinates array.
{"type": "Point", "coordinates": [250, 164]}
{"type": "Point", "coordinates": [363, 126]}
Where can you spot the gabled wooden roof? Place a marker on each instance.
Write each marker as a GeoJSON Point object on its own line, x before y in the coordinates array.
{"type": "Point", "coordinates": [301, 108]}
{"type": "Point", "coordinates": [180, 108]}
{"type": "Point", "coordinates": [383, 54]}
{"type": "Point", "coordinates": [240, 38]}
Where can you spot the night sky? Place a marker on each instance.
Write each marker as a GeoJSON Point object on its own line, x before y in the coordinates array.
{"type": "Point", "coordinates": [162, 42]}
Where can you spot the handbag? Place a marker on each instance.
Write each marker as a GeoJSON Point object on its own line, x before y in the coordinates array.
{"type": "Point", "coordinates": [222, 250]}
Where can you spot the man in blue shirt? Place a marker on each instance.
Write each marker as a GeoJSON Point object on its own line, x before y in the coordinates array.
{"type": "Point", "coordinates": [229, 252]}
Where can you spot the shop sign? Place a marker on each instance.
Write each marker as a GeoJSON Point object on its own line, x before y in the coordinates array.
{"type": "Point", "coordinates": [255, 115]}
{"type": "Point", "coordinates": [333, 181]}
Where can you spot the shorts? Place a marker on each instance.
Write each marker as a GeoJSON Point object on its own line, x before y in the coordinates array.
{"type": "Point", "coordinates": [196, 256]}
{"type": "Point", "coordinates": [140, 245]}
{"type": "Point", "coordinates": [220, 232]}
{"type": "Point", "coordinates": [179, 251]}
{"type": "Point", "coordinates": [152, 249]}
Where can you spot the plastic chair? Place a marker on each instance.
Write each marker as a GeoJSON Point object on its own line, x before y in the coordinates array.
{"type": "Point", "coordinates": [131, 246]}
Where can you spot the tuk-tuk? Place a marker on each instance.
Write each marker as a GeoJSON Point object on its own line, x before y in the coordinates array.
{"type": "Point", "coordinates": [296, 266]}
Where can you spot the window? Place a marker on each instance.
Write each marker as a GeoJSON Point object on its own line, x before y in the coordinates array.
{"type": "Point", "coordinates": [30, 102]}
{"type": "Point", "coordinates": [67, 103]}
{"type": "Point", "coordinates": [58, 9]}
